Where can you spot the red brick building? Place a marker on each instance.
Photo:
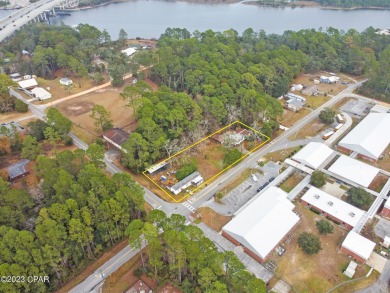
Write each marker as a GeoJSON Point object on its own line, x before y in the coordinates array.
{"type": "Point", "coordinates": [358, 247]}
{"type": "Point", "coordinates": [262, 224]}
{"type": "Point", "coordinates": [386, 210]}
{"type": "Point", "coordinates": [332, 208]}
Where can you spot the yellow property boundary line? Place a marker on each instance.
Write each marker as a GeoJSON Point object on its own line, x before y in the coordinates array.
{"type": "Point", "coordinates": [216, 175]}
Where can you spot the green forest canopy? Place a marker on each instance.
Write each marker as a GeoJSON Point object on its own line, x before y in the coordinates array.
{"type": "Point", "coordinates": [355, 3]}
{"type": "Point", "coordinates": [210, 79]}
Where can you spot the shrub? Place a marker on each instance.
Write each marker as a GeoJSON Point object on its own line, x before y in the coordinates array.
{"type": "Point", "coordinates": [309, 243]}
{"type": "Point", "coordinates": [232, 156]}
{"type": "Point", "coordinates": [68, 141]}
{"type": "Point", "coordinates": [186, 170]}
{"type": "Point", "coordinates": [318, 178]}
{"type": "Point", "coordinates": [327, 116]}
{"type": "Point", "coordinates": [324, 227]}
{"type": "Point", "coordinates": [20, 106]}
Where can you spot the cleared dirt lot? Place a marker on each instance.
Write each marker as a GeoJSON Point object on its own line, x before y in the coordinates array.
{"type": "Point", "coordinates": [212, 219]}
{"type": "Point", "coordinates": [79, 109]}
{"type": "Point", "coordinates": [309, 130]}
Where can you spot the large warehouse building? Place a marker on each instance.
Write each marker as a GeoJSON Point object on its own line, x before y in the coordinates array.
{"type": "Point", "coordinates": [263, 224]}
{"type": "Point", "coordinates": [370, 137]}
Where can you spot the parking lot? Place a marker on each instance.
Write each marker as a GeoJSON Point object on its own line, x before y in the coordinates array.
{"type": "Point", "coordinates": [382, 229]}
{"type": "Point", "coordinates": [236, 198]}
{"type": "Point", "coordinates": [356, 108]}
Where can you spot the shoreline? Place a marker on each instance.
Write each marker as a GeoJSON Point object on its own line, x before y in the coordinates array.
{"type": "Point", "coordinates": [311, 4]}
{"type": "Point", "coordinates": [299, 4]}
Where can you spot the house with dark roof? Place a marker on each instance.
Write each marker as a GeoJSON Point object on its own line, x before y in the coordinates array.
{"type": "Point", "coordinates": [18, 170]}
{"type": "Point", "coordinates": [116, 137]}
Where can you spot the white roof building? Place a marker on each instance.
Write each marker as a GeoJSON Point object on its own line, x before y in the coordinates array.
{"type": "Point", "coordinates": [370, 137]}
{"type": "Point", "coordinates": [129, 51]}
{"type": "Point", "coordinates": [350, 271]}
{"type": "Point", "coordinates": [387, 203]}
{"type": "Point", "coordinates": [28, 83]}
{"type": "Point", "coordinates": [380, 109]}
{"type": "Point", "coordinates": [192, 179]}
{"type": "Point", "coordinates": [358, 245]}
{"type": "Point", "coordinates": [41, 93]}
{"type": "Point", "coordinates": [65, 81]}
{"type": "Point", "coordinates": [264, 223]}
{"type": "Point", "coordinates": [333, 206]}
{"type": "Point", "coordinates": [313, 154]}
{"type": "Point", "coordinates": [354, 170]}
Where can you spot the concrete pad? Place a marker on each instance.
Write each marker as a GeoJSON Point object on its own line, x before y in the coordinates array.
{"type": "Point", "coordinates": [377, 262]}
{"type": "Point", "coordinates": [382, 228]}
{"type": "Point", "coordinates": [333, 189]}
{"type": "Point", "coordinates": [281, 287]}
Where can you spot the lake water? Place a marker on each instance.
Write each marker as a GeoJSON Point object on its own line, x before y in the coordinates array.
{"type": "Point", "coordinates": [142, 18]}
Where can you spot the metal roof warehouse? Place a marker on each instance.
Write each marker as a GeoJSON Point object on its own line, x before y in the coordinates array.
{"type": "Point", "coordinates": [354, 170]}
{"type": "Point", "coordinates": [370, 137]}
{"type": "Point", "coordinates": [263, 224]}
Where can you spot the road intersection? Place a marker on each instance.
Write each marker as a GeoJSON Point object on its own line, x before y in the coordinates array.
{"type": "Point", "coordinates": [95, 280]}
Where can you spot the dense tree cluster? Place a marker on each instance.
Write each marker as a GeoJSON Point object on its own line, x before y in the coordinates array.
{"type": "Point", "coordinates": [7, 103]}
{"type": "Point", "coordinates": [379, 83]}
{"type": "Point", "coordinates": [182, 254]}
{"type": "Point", "coordinates": [212, 79]}
{"type": "Point", "coordinates": [226, 66]}
{"type": "Point", "coordinates": [163, 116]}
{"type": "Point", "coordinates": [62, 47]}
{"type": "Point", "coordinates": [75, 212]}
{"type": "Point", "coordinates": [186, 170]}
{"type": "Point", "coordinates": [355, 3]}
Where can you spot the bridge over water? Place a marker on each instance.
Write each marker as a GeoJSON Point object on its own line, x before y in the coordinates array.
{"type": "Point", "coordinates": [35, 12]}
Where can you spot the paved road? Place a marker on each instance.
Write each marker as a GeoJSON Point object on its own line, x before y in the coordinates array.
{"type": "Point", "coordinates": [281, 140]}
{"type": "Point", "coordinates": [21, 17]}
{"type": "Point", "coordinates": [382, 284]}
{"type": "Point", "coordinates": [186, 208]}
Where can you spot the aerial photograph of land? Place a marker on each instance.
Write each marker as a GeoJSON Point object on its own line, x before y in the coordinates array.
{"type": "Point", "coordinates": [194, 146]}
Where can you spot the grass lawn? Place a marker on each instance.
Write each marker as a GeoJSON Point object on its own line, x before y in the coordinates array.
{"type": "Point", "coordinates": [341, 103]}
{"type": "Point", "coordinates": [79, 109]}
{"type": "Point", "coordinates": [290, 117]}
{"type": "Point", "coordinates": [8, 117]}
{"type": "Point", "coordinates": [212, 219]}
{"type": "Point", "coordinates": [59, 91]}
{"type": "Point", "coordinates": [314, 102]}
{"type": "Point", "coordinates": [354, 286]}
{"type": "Point", "coordinates": [280, 155]}
{"type": "Point", "coordinates": [378, 182]}
{"type": "Point", "coordinates": [291, 182]}
{"type": "Point", "coordinates": [309, 130]}
{"type": "Point", "coordinates": [312, 273]}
